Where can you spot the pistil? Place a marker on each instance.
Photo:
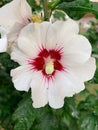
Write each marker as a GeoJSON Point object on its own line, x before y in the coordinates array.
{"type": "Point", "coordinates": [49, 68]}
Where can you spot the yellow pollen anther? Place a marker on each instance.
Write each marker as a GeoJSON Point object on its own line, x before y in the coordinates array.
{"type": "Point", "coordinates": [36, 18]}
{"type": "Point", "coordinates": [49, 68]}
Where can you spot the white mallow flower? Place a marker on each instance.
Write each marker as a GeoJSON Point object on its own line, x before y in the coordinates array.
{"type": "Point", "coordinates": [3, 39]}
{"type": "Point", "coordinates": [14, 16]}
{"type": "Point", "coordinates": [55, 62]}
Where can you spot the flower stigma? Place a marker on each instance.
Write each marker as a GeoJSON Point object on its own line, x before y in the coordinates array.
{"type": "Point", "coordinates": [49, 68]}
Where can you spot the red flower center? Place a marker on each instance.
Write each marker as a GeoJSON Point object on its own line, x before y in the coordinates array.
{"type": "Point", "coordinates": [47, 61]}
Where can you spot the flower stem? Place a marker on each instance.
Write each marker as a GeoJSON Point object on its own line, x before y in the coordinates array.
{"type": "Point", "coordinates": [46, 11]}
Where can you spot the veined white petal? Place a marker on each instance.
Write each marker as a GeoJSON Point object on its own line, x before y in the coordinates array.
{"type": "Point", "coordinates": [3, 40]}
{"type": "Point", "coordinates": [63, 85]}
{"type": "Point", "coordinates": [77, 49]}
{"type": "Point", "coordinates": [55, 98]}
{"type": "Point", "coordinates": [22, 77]}
{"type": "Point", "coordinates": [59, 32]}
{"type": "Point", "coordinates": [39, 90]}
{"type": "Point", "coordinates": [26, 11]}
{"type": "Point", "coordinates": [15, 11]}
{"type": "Point", "coordinates": [14, 32]}
{"type": "Point", "coordinates": [84, 71]}
{"type": "Point", "coordinates": [32, 38]}
{"type": "Point", "coordinates": [44, 26]}
{"type": "Point", "coordinates": [18, 56]}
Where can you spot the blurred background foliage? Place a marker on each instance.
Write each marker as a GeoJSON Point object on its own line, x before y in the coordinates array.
{"type": "Point", "coordinates": [79, 112]}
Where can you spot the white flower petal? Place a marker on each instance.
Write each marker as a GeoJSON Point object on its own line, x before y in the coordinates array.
{"type": "Point", "coordinates": [44, 26]}
{"type": "Point", "coordinates": [26, 11]}
{"type": "Point", "coordinates": [22, 77]}
{"type": "Point", "coordinates": [55, 98]}
{"type": "Point", "coordinates": [15, 11]}
{"type": "Point", "coordinates": [3, 40]}
{"type": "Point", "coordinates": [19, 56]}
{"type": "Point", "coordinates": [77, 49]}
{"type": "Point", "coordinates": [39, 90]}
{"type": "Point", "coordinates": [59, 32]}
{"type": "Point", "coordinates": [84, 71]}
{"type": "Point", "coordinates": [3, 45]}
{"type": "Point", "coordinates": [14, 32]}
{"type": "Point", "coordinates": [32, 37]}
{"type": "Point", "coordinates": [64, 84]}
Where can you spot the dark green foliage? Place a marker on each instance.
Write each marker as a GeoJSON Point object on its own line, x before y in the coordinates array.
{"type": "Point", "coordinates": [59, 15]}
{"type": "Point", "coordinates": [24, 115]}
{"type": "Point", "coordinates": [28, 118]}
{"type": "Point", "coordinates": [3, 2]}
{"type": "Point", "coordinates": [77, 8]}
{"type": "Point", "coordinates": [9, 97]}
{"type": "Point", "coordinates": [89, 113]}
{"type": "Point", "coordinates": [35, 7]}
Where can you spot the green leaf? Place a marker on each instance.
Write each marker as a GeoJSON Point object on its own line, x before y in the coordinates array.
{"type": "Point", "coordinates": [46, 118]}
{"type": "Point", "coordinates": [59, 15]}
{"type": "Point", "coordinates": [46, 122]}
{"type": "Point", "coordinates": [6, 63]}
{"type": "Point", "coordinates": [34, 6]}
{"type": "Point", "coordinates": [3, 2]}
{"type": "Point", "coordinates": [89, 122]}
{"type": "Point", "coordinates": [95, 7]}
{"type": "Point", "coordinates": [90, 103]}
{"type": "Point", "coordinates": [88, 113]}
{"type": "Point", "coordinates": [76, 9]}
{"type": "Point", "coordinates": [24, 116]}
{"type": "Point", "coordinates": [8, 95]}
{"type": "Point", "coordinates": [8, 100]}
{"type": "Point", "coordinates": [28, 118]}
